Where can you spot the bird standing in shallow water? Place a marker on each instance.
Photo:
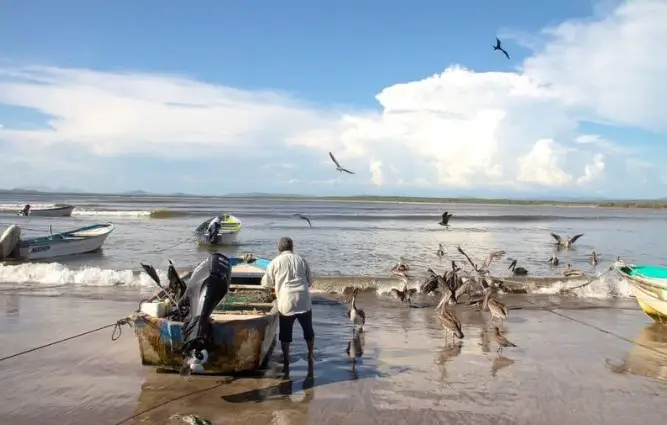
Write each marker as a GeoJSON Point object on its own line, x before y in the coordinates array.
{"type": "Point", "coordinates": [441, 250]}
{"type": "Point", "coordinates": [448, 320]}
{"type": "Point", "coordinates": [497, 309]}
{"type": "Point", "coordinates": [499, 47]}
{"type": "Point", "coordinates": [594, 258]}
{"type": "Point", "coordinates": [554, 260]}
{"type": "Point", "coordinates": [357, 316]}
{"type": "Point", "coordinates": [501, 340]}
{"type": "Point", "coordinates": [338, 166]}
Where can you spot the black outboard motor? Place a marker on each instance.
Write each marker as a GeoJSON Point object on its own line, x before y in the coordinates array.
{"type": "Point", "coordinates": [207, 286]}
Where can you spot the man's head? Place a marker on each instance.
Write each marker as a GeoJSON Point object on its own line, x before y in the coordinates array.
{"type": "Point", "coordinates": [285, 244]}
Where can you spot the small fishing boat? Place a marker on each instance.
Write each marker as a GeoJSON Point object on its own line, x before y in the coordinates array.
{"type": "Point", "coordinates": [649, 286]}
{"type": "Point", "coordinates": [230, 226]}
{"type": "Point", "coordinates": [233, 331]}
{"type": "Point", "coordinates": [58, 210]}
{"type": "Point", "coordinates": [72, 242]}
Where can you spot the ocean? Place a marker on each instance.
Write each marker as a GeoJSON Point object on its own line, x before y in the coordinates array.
{"type": "Point", "coordinates": [562, 368]}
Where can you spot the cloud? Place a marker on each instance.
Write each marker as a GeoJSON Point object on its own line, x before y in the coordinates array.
{"type": "Point", "coordinates": [455, 129]}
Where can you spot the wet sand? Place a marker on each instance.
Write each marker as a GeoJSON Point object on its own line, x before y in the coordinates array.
{"type": "Point", "coordinates": [562, 372]}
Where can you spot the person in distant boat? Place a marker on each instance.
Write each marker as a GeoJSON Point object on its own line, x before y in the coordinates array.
{"type": "Point", "coordinates": [289, 274]}
{"type": "Point", "coordinates": [26, 210]}
{"type": "Point", "coordinates": [213, 229]}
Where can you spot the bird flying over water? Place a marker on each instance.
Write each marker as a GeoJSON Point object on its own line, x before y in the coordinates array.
{"type": "Point", "coordinates": [566, 241]}
{"type": "Point", "coordinates": [338, 166]}
{"type": "Point", "coordinates": [445, 219]}
{"type": "Point", "coordinates": [303, 217]}
{"type": "Point", "coordinates": [498, 47]}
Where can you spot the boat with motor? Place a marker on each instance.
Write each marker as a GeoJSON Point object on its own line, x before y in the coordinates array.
{"type": "Point", "coordinates": [227, 234]}
{"type": "Point", "coordinates": [649, 286]}
{"type": "Point", "coordinates": [57, 210]}
{"type": "Point", "coordinates": [72, 242]}
{"type": "Point", "coordinates": [221, 321]}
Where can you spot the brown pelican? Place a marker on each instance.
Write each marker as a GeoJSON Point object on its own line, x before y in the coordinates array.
{"type": "Point", "coordinates": [554, 259]}
{"type": "Point", "coordinates": [567, 241]}
{"type": "Point", "coordinates": [594, 258]}
{"type": "Point", "coordinates": [405, 294]}
{"type": "Point", "coordinates": [498, 47]}
{"type": "Point", "coordinates": [338, 166]}
{"type": "Point", "coordinates": [570, 272]}
{"type": "Point", "coordinates": [445, 219]}
{"type": "Point", "coordinates": [448, 320]}
{"type": "Point", "coordinates": [501, 340]}
{"type": "Point", "coordinates": [357, 316]}
{"type": "Point", "coordinates": [519, 271]}
{"type": "Point", "coordinates": [431, 283]}
{"type": "Point", "coordinates": [496, 308]}
{"type": "Point", "coordinates": [493, 255]}
{"type": "Point", "coordinates": [400, 269]}
{"type": "Point", "coordinates": [441, 250]}
{"type": "Point", "coordinates": [303, 217]}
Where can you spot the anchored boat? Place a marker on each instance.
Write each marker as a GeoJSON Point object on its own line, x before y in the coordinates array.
{"type": "Point", "coordinates": [649, 286]}
{"type": "Point", "coordinates": [58, 210]}
{"type": "Point", "coordinates": [72, 242]}
{"type": "Point", "coordinates": [222, 321]}
{"type": "Point", "coordinates": [230, 226]}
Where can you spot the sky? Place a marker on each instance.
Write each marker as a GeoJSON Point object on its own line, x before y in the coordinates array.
{"type": "Point", "coordinates": [216, 97]}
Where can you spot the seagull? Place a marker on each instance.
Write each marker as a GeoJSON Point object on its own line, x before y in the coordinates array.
{"type": "Point", "coordinates": [303, 217]}
{"type": "Point", "coordinates": [445, 219]}
{"type": "Point", "coordinates": [566, 241]}
{"type": "Point", "coordinates": [497, 47]}
{"type": "Point", "coordinates": [338, 167]}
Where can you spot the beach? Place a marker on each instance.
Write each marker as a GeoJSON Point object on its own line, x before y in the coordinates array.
{"type": "Point", "coordinates": [587, 356]}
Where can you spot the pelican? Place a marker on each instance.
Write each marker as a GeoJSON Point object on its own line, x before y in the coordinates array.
{"type": "Point", "coordinates": [448, 320]}
{"type": "Point", "coordinates": [499, 47]}
{"type": "Point", "coordinates": [501, 340]}
{"type": "Point", "coordinates": [570, 272]}
{"type": "Point", "coordinates": [303, 217]}
{"type": "Point", "coordinates": [441, 250]}
{"type": "Point", "coordinates": [554, 259]}
{"type": "Point", "coordinates": [594, 258]}
{"type": "Point", "coordinates": [445, 219]}
{"type": "Point", "coordinates": [519, 271]}
{"type": "Point", "coordinates": [357, 316]}
{"type": "Point", "coordinates": [405, 294]}
{"type": "Point", "coordinates": [493, 255]}
{"type": "Point", "coordinates": [496, 308]}
{"type": "Point", "coordinates": [338, 166]}
{"type": "Point", "coordinates": [567, 241]}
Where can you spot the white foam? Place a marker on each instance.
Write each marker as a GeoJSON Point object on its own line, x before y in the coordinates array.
{"type": "Point", "coordinates": [83, 212]}
{"type": "Point", "coordinates": [603, 287]}
{"type": "Point", "coordinates": [58, 274]}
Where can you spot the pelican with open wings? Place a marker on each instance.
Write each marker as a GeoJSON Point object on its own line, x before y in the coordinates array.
{"type": "Point", "coordinates": [338, 166]}
{"type": "Point", "coordinates": [566, 241]}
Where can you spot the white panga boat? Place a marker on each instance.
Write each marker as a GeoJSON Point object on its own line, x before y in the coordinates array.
{"type": "Point", "coordinates": [72, 242]}
{"type": "Point", "coordinates": [648, 283]}
{"type": "Point", "coordinates": [230, 226]}
{"type": "Point", "coordinates": [57, 210]}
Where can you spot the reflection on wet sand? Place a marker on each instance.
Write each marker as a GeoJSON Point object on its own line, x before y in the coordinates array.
{"type": "Point", "coordinates": [355, 349]}
{"type": "Point", "coordinates": [499, 363]}
{"type": "Point", "coordinates": [12, 306]}
{"type": "Point", "coordinates": [448, 352]}
{"type": "Point", "coordinates": [648, 356]}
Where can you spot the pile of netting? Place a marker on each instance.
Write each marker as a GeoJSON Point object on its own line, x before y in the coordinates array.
{"type": "Point", "coordinates": [239, 300]}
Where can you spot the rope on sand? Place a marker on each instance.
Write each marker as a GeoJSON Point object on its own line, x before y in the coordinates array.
{"type": "Point", "coordinates": [114, 336]}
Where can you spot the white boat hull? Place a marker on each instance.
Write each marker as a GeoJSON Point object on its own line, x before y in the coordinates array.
{"type": "Point", "coordinates": [64, 244]}
{"type": "Point", "coordinates": [56, 211]}
{"type": "Point", "coordinates": [220, 239]}
{"type": "Point", "coordinates": [654, 307]}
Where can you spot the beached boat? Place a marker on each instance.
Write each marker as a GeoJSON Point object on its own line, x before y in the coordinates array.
{"type": "Point", "coordinates": [649, 286]}
{"type": "Point", "coordinates": [58, 210]}
{"type": "Point", "coordinates": [72, 242]}
{"type": "Point", "coordinates": [230, 226]}
{"type": "Point", "coordinates": [242, 323]}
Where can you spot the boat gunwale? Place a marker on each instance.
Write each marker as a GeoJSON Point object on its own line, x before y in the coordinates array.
{"type": "Point", "coordinates": [650, 281]}
{"type": "Point", "coordinates": [61, 237]}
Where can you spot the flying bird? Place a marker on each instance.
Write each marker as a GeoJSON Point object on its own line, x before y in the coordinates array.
{"type": "Point", "coordinates": [338, 166]}
{"type": "Point", "coordinates": [445, 219]}
{"type": "Point", "coordinates": [567, 241]}
{"type": "Point", "coordinates": [498, 47]}
{"type": "Point", "coordinates": [303, 217]}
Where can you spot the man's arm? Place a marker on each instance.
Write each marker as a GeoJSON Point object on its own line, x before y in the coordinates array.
{"type": "Point", "coordinates": [267, 279]}
{"type": "Point", "coordinates": [309, 277]}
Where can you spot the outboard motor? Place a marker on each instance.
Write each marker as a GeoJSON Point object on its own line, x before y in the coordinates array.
{"type": "Point", "coordinates": [207, 286]}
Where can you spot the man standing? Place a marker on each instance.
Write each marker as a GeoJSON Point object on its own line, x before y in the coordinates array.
{"type": "Point", "coordinates": [213, 229]}
{"type": "Point", "coordinates": [289, 274]}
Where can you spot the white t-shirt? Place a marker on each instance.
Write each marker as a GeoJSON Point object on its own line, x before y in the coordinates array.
{"type": "Point", "coordinates": [290, 275]}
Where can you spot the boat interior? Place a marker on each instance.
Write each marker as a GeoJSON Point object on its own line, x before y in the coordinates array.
{"type": "Point", "coordinates": [247, 310]}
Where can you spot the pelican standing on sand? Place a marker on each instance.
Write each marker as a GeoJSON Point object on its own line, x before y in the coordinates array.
{"type": "Point", "coordinates": [518, 271]}
{"type": "Point", "coordinates": [553, 260]}
{"type": "Point", "coordinates": [448, 320]}
{"type": "Point", "coordinates": [338, 166]}
{"type": "Point", "coordinates": [497, 309]}
{"type": "Point", "coordinates": [567, 241]}
{"type": "Point", "coordinates": [501, 340]}
{"type": "Point", "coordinates": [356, 315]}
{"type": "Point", "coordinates": [594, 258]}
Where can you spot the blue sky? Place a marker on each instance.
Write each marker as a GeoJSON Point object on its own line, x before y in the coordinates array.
{"type": "Point", "coordinates": [93, 97]}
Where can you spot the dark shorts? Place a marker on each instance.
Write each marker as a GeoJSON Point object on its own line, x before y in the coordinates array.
{"type": "Point", "coordinates": [287, 324]}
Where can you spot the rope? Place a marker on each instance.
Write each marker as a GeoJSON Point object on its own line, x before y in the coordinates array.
{"type": "Point", "coordinates": [117, 328]}
{"type": "Point", "coordinates": [188, 239]}
{"type": "Point", "coordinates": [516, 282]}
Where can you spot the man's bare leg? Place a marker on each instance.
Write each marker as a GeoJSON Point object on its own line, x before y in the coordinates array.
{"type": "Point", "coordinates": [285, 347]}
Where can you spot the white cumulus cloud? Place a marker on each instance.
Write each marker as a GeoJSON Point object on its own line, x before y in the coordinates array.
{"type": "Point", "coordinates": [455, 129]}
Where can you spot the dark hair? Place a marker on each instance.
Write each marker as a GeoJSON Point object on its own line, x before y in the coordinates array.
{"type": "Point", "coordinates": [285, 244]}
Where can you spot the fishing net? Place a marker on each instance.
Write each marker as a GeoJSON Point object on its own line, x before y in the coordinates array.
{"type": "Point", "coordinates": [240, 300]}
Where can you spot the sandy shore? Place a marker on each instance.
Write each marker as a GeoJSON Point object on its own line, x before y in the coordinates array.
{"type": "Point", "coordinates": [563, 372]}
